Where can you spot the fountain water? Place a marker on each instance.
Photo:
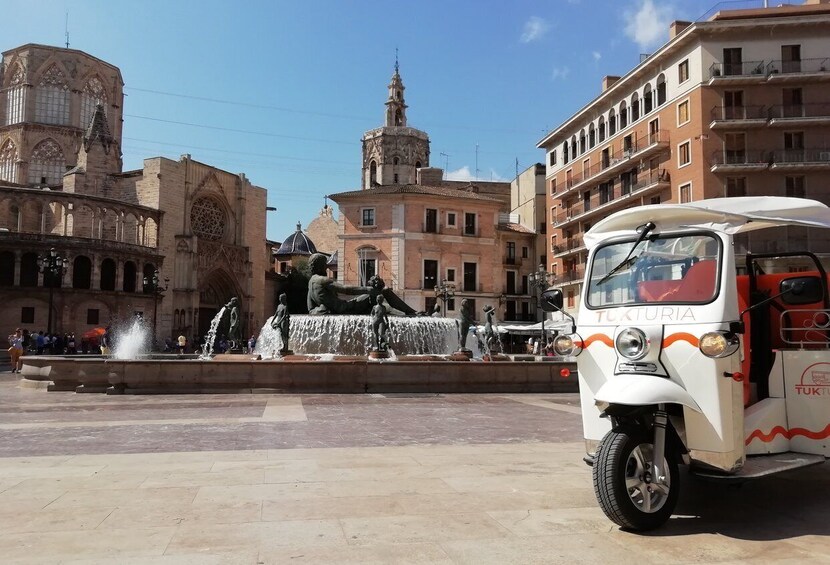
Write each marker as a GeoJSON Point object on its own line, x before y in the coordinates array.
{"type": "Point", "coordinates": [210, 338]}
{"type": "Point", "coordinates": [132, 341]}
{"type": "Point", "coordinates": [352, 335]}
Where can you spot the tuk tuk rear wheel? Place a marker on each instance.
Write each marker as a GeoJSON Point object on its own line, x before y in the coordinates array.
{"type": "Point", "coordinates": [623, 484]}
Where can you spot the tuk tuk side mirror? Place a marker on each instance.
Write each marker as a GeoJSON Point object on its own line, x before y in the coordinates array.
{"type": "Point", "coordinates": [552, 300]}
{"type": "Point", "coordinates": [801, 290]}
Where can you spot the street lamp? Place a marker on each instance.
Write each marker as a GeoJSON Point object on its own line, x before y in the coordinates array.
{"type": "Point", "coordinates": [540, 280]}
{"type": "Point", "coordinates": [52, 266]}
{"type": "Point", "coordinates": [151, 286]}
{"type": "Point", "coordinates": [445, 291]}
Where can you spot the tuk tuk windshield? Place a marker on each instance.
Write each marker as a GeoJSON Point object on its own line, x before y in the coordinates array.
{"type": "Point", "coordinates": [677, 269]}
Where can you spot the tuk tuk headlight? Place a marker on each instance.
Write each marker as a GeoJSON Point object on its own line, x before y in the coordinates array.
{"type": "Point", "coordinates": [632, 343]}
{"type": "Point", "coordinates": [718, 344]}
{"type": "Point", "coordinates": [566, 345]}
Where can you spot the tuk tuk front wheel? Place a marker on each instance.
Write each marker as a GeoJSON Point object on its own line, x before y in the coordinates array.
{"type": "Point", "coordinates": [624, 484]}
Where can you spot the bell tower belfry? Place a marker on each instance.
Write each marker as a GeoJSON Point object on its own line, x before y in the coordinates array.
{"type": "Point", "coordinates": [393, 153]}
{"type": "Point", "coordinates": [395, 105]}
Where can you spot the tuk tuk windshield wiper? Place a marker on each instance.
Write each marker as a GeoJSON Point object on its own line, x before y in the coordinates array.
{"type": "Point", "coordinates": [644, 230]}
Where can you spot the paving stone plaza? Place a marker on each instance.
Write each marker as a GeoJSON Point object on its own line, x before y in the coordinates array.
{"type": "Point", "coordinates": [411, 478]}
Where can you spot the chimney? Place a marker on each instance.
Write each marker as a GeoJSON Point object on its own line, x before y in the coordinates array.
{"type": "Point", "coordinates": [608, 81]}
{"type": "Point", "coordinates": [676, 27]}
{"type": "Point", "coordinates": [430, 176]}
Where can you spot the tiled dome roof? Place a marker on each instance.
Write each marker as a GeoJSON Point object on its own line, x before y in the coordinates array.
{"type": "Point", "coordinates": [297, 243]}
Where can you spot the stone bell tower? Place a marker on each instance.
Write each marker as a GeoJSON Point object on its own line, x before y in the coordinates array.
{"type": "Point", "coordinates": [393, 153]}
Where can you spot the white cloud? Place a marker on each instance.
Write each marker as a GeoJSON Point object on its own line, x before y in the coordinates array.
{"type": "Point", "coordinates": [560, 73]}
{"type": "Point", "coordinates": [649, 25]}
{"type": "Point", "coordinates": [464, 174]}
{"type": "Point", "coordinates": [596, 55]}
{"type": "Point", "coordinates": [535, 28]}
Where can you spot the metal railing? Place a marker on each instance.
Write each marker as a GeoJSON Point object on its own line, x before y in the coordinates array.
{"type": "Point", "coordinates": [739, 157]}
{"type": "Point", "coordinates": [804, 66]}
{"type": "Point", "coordinates": [744, 68]}
{"type": "Point", "coordinates": [801, 156]}
{"type": "Point", "coordinates": [749, 112]}
{"type": "Point", "coordinates": [799, 111]}
{"type": "Point", "coordinates": [571, 275]}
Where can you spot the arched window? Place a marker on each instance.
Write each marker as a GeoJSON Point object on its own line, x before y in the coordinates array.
{"type": "Point", "coordinates": [612, 122]}
{"type": "Point", "coordinates": [623, 114]}
{"type": "Point", "coordinates": [417, 164]}
{"type": "Point", "coordinates": [396, 161]}
{"type": "Point", "coordinates": [8, 161]}
{"type": "Point", "coordinates": [52, 98]}
{"type": "Point", "coordinates": [565, 153]}
{"type": "Point", "coordinates": [6, 268]}
{"type": "Point", "coordinates": [647, 99]}
{"type": "Point", "coordinates": [82, 272]}
{"type": "Point", "coordinates": [108, 274]}
{"type": "Point", "coordinates": [373, 173]}
{"type": "Point", "coordinates": [16, 97]}
{"type": "Point", "coordinates": [28, 269]}
{"type": "Point", "coordinates": [398, 117]}
{"type": "Point", "coordinates": [601, 129]}
{"type": "Point", "coordinates": [635, 107]}
{"type": "Point", "coordinates": [149, 270]}
{"type": "Point", "coordinates": [582, 146]}
{"type": "Point", "coordinates": [129, 277]}
{"type": "Point", "coordinates": [661, 90]}
{"type": "Point", "coordinates": [94, 94]}
{"type": "Point", "coordinates": [573, 147]}
{"type": "Point", "coordinates": [592, 136]}
{"type": "Point", "coordinates": [47, 164]}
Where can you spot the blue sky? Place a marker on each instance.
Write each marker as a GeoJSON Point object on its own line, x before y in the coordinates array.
{"type": "Point", "coordinates": [293, 85]}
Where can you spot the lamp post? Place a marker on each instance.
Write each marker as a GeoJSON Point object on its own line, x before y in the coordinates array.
{"type": "Point", "coordinates": [540, 280]}
{"type": "Point", "coordinates": [445, 291]}
{"type": "Point", "coordinates": [151, 286]}
{"type": "Point", "coordinates": [52, 266]}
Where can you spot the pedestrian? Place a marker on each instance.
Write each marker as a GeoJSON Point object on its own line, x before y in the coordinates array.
{"type": "Point", "coordinates": [27, 340]}
{"type": "Point", "coordinates": [16, 349]}
{"type": "Point", "coordinates": [39, 342]}
{"type": "Point", "coordinates": [105, 342]}
{"type": "Point", "coordinates": [251, 344]}
{"type": "Point", "coordinates": [182, 344]}
{"type": "Point", "coordinates": [70, 344]}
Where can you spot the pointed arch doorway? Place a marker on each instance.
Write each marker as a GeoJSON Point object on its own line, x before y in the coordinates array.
{"type": "Point", "coordinates": [215, 292]}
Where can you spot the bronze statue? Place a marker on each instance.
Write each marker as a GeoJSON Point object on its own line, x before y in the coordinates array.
{"type": "Point", "coordinates": [234, 328]}
{"type": "Point", "coordinates": [491, 340]}
{"type": "Point", "coordinates": [380, 325]}
{"type": "Point", "coordinates": [466, 318]}
{"type": "Point", "coordinates": [281, 321]}
{"type": "Point", "coordinates": [323, 293]}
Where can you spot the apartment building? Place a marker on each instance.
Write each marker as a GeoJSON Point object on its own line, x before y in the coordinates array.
{"type": "Point", "coordinates": [734, 105]}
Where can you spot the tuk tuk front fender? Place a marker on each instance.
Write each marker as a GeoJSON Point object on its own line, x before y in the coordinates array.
{"type": "Point", "coordinates": [637, 390]}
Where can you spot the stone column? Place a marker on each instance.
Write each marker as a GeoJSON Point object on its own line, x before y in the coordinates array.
{"type": "Point", "coordinates": [18, 255]}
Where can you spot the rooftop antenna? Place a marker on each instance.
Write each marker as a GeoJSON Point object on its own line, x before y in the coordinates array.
{"type": "Point", "coordinates": [476, 161]}
{"type": "Point", "coordinates": [66, 30]}
{"type": "Point", "coordinates": [446, 164]}
{"type": "Point", "coordinates": [396, 60]}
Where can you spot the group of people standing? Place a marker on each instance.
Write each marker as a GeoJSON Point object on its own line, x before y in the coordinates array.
{"type": "Point", "coordinates": [22, 341]}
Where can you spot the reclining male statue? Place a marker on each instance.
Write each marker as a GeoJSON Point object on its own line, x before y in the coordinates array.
{"type": "Point", "coordinates": [323, 293]}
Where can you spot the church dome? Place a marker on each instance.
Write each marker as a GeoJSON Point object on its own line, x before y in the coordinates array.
{"type": "Point", "coordinates": [297, 243]}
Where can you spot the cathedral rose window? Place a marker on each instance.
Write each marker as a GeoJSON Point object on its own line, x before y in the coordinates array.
{"type": "Point", "coordinates": [207, 219]}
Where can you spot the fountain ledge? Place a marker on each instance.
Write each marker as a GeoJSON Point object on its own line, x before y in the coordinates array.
{"type": "Point", "coordinates": [294, 375]}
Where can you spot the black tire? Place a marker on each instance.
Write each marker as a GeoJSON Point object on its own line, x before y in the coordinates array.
{"type": "Point", "coordinates": [622, 483]}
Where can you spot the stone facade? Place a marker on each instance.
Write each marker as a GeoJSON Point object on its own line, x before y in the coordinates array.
{"type": "Point", "coordinates": [323, 231]}
{"type": "Point", "coordinates": [62, 187]}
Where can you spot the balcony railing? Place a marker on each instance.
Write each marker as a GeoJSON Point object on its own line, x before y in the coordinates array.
{"type": "Point", "coordinates": [739, 157]}
{"type": "Point", "coordinates": [795, 156]}
{"type": "Point", "coordinates": [510, 260]}
{"type": "Point", "coordinates": [804, 66]}
{"type": "Point", "coordinates": [430, 227]}
{"type": "Point", "coordinates": [571, 275]}
{"type": "Point", "coordinates": [784, 111]}
{"type": "Point", "coordinates": [750, 112]}
{"type": "Point", "coordinates": [621, 190]}
{"type": "Point", "coordinates": [744, 68]}
{"type": "Point", "coordinates": [619, 157]}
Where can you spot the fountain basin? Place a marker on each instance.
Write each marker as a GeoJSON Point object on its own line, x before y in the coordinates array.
{"type": "Point", "coordinates": [296, 374]}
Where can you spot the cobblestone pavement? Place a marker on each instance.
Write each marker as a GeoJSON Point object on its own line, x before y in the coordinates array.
{"type": "Point", "coordinates": [353, 479]}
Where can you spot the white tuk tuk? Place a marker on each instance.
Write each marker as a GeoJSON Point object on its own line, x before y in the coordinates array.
{"type": "Point", "coordinates": [684, 361]}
